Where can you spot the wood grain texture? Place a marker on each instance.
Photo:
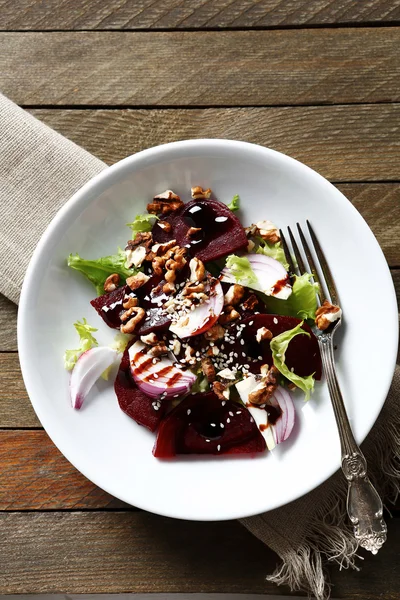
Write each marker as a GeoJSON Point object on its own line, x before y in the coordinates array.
{"type": "Point", "coordinates": [343, 143]}
{"type": "Point", "coordinates": [170, 14]}
{"type": "Point", "coordinates": [231, 68]}
{"type": "Point", "coordinates": [34, 475]}
{"type": "Point", "coordinates": [8, 325]}
{"type": "Point", "coordinates": [138, 552]}
{"type": "Point", "coordinates": [15, 407]}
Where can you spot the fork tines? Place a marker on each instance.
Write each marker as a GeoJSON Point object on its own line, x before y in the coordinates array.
{"type": "Point", "coordinates": [312, 268]}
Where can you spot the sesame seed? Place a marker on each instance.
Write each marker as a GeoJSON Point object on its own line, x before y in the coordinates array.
{"type": "Point", "coordinates": [259, 357]}
{"type": "Point", "coordinates": [238, 412]}
{"type": "Point", "coordinates": [188, 411]}
{"type": "Point", "coordinates": [155, 375]}
{"type": "Point", "coordinates": [223, 402]}
{"type": "Point", "coordinates": [244, 354]}
{"type": "Point", "coordinates": [231, 413]}
{"type": "Point", "coordinates": [213, 424]}
{"type": "Point", "coordinates": [246, 366]}
{"type": "Point", "coordinates": [251, 420]}
{"type": "Point", "coordinates": [222, 347]}
{"type": "Point", "coordinates": [242, 342]}
{"type": "Point", "coordinates": [228, 420]}
{"type": "Point", "coordinates": [275, 320]}
{"type": "Point", "coordinates": [251, 323]}
{"type": "Point", "coordinates": [154, 361]}
{"type": "Point", "coordinates": [176, 395]}
{"type": "Point", "coordinates": [207, 440]}
{"type": "Point", "coordinates": [218, 447]}
{"type": "Point", "coordinates": [221, 425]}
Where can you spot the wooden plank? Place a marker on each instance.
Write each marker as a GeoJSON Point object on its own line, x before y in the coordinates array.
{"type": "Point", "coordinates": [35, 476]}
{"type": "Point", "coordinates": [96, 552]}
{"type": "Point", "coordinates": [171, 14]}
{"type": "Point", "coordinates": [343, 143]}
{"type": "Point", "coordinates": [15, 408]}
{"type": "Point", "coordinates": [8, 325]}
{"type": "Point", "coordinates": [308, 66]}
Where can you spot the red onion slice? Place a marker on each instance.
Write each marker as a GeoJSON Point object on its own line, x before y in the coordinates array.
{"type": "Point", "coordinates": [272, 277]}
{"type": "Point", "coordinates": [282, 398]}
{"type": "Point", "coordinates": [158, 378]}
{"type": "Point", "coordinates": [203, 317]}
{"type": "Point", "coordinates": [89, 367]}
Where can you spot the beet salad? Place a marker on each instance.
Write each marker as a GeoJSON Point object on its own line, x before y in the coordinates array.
{"type": "Point", "coordinates": [212, 332]}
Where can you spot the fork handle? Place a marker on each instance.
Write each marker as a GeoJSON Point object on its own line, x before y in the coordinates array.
{"type": "Point", "coordinates": [364, 505]}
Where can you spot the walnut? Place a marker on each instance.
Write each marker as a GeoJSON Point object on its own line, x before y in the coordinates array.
{"type": "Point", "coordinates": [158, 350]}
{"type": "Point", "coordinates": [234, 294]}
{"type": "Point", "coordinates": [192, 231]}
{"type": "Point", "coordinates": [229, 314]}
{"type": "Point", "coordinates": [150, 339]}
{"type": "Point", "coordinates": [266, 388]}
{"type": "Point", "coordinates": [268, 232]}
{"type": "Point", "coordinates": [165, 226]}
{"type": "Point", "coordinates": [137, 249]}
{"type": "Point", "coordinates": [112, 282]}
{"type": "Point", "coordinates": [208, 368]}
{"type": "Point", "coordinates": [192, 288]}
{"type": "Point", "coordinates": [250, 303]}
{"type": "Point", "coordinates": [131, 325]}
{"type": "Point", "coordinates": [129, 301]}
{"type": "Point", "coordinates": [176, 347]}
{"type": "Point", "coordinates": [168, 288]}
{"type": "Point", "coordinates": [161, 249]}
{"type": "Point", "coordinates": [326, 314]}
{"type": "Point", "coordinates": [165, 203]}
{"type": "Point", "coordinates": [190, 357]}
{"type": "Point", "coordinates": [136, 281]}
{"type": "Point", "coordinates": [197, 270]}
{"type": "Point", "coordinates": [216, 332]}
{"type": "Point", "coordinates": [263, 334]}
{"type": "Point", "coordinates": [158, 264]}
{"type": "Point", "coordinates": [197, 192]}
{"type": "Point", "coordinates": [220, 390]}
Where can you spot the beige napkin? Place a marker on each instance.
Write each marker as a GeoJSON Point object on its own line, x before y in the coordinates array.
{"type": "Point", "coordinates": [39, 171]}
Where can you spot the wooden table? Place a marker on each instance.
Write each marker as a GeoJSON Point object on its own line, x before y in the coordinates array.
{"type": "Point", "coordinates": [316, 79]}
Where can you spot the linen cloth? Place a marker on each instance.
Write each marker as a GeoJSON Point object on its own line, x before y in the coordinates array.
{"type": "Point", "coordinates": [39, 171]}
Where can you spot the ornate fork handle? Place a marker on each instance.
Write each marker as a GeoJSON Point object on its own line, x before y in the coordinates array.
{"type": "Point", "coordinates": [364, 505]}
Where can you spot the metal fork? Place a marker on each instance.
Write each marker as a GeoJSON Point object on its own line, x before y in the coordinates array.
{"type": "Point", "coordinates": [364, 505]}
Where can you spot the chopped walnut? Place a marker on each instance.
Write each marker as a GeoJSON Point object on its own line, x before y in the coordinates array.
{"type": "Point", "coordinates": [192, 288]}
{"type": "Point", "coordinates": [216, 332]}
{"type": "Point", "coordinates": [327, 314]}
{"type": "Point", "coordinates": [192, 231]}
{"type": "Point", "coordinates": [134, 321]}
{"type": "Point", "coordinates": [168, 288]}
{"type": "Point", "coordinates": [197, 270]}
{"type": "Point", "coordinates": [234, 294]}
{"type": "Point", "coordinates": [263, 334]}
{"type": "Point", "coordinates": [165, 226]}
{"type": "Point", "coordinates": [190, 357]}
{"type": "Point", "coordinates": [158, 350]}
{"type": "Point", "coordinates": [197, 192]}
{"type": "Point", "coordinates": [266, 388]}
{"type": "Point", "coordinates": [137, 249]}
{"type": "Point", "coordinates": [227, 374]}
{"type": "Point", "coordinates": [176, 347]}
{"type": "Point", "coordinates": [208, 369]}
{"type": "Point", "coordinates": [165, 203]}
{"type": "Point", "coordinates": [161, 249]}
{"type": "Point", "coordinates": [112, 282]}
{"type": "Point", "coordinates": [129, 301]}
{"type": "Point", "coordinates": [136, 281]}
{"type": "Point", "coordinates": [150, 339]}
{"type": "Point", "coordinates": [268, 232]}
{"type": "Point", "coordinates": [229, 314]}
{"type": "Point", "coordinates": [220, 390]}
{"type": "Point", "coordinates": [250, 303]}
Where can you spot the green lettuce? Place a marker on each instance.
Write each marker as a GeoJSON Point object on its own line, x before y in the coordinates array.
{"type": "Point", "coordinates": [273, 250]}
{"type": "Point", "coordinates": [201, 384]}
{"type": "Point", "coordinates": [86, 341]}
{"type": "Point", "coordinates": [278, 347]}
{"type": "Point", "coordinates": [98, 270]}
{"type": "Point", "coordinates": [234, 204]}
{"type": "Point", "coordinates": [240, 268]}
{"type": "Point", "coordinates": [142, 223]}
{"type": "Point", "coordinates": [302, 303]}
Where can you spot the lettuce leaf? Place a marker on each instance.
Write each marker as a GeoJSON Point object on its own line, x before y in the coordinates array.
{"type": "Point", "coordinates": [273, 250]}
{"type": "Point", "coordinates": [240, 268]}
{"type": "Point", "coordinates": [98, 270]}
{"type": "Point", "coordinates": [302, 303]}
{"type": "Point", "coordinates": [278, 347]}
{"type": "Point", "coordinates": [142, 223]}
{"type": "Point", "coordinates": [86, 339]}
{"type": "Point", "coordinates": [234, 204]}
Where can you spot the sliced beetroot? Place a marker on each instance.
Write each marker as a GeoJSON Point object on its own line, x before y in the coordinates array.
{"type": "Point", "coordinates": [133, 402]}
{"type": "Point", "coordinates": [302, 354]}
{"type": "Point", "coordinates": [109, 306]}
{"type": "Point", "coordinates": [221, 232]}
{"type": "Point", "coordinates": [203, 424]}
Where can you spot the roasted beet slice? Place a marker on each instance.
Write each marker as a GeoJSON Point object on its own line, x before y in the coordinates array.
{"type": "Point", "coordinates": [302, 354]}
{"type": "Point", "coordinates": [221, 232]}
{"type": "Point", "coordinates": [133, 402]}
{"type": "Point", "coordinates": [109, 306]}
{"type": "Point", "coordinates": [203, 424]}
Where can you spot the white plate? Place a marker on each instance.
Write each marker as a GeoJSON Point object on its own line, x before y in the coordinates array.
{"type": "Point", "coordinates": [111, 449]}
